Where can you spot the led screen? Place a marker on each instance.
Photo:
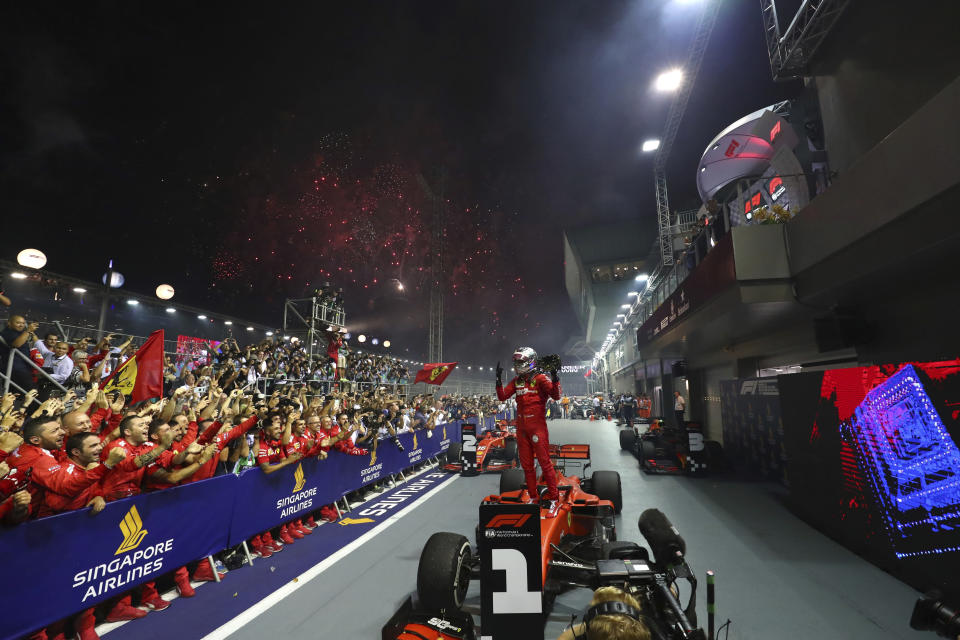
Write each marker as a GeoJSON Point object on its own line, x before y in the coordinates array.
{"type": "Point", "coordinates": [873, 461]}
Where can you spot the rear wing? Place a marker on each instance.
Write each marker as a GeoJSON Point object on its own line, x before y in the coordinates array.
{"type": "Point", "coordinates": [576, 455]}
{"type": "Point", "coordinates": [570, 451]}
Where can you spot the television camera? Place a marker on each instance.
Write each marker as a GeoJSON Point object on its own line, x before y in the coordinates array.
{"type": "Point", "coordinates": [628, 567]}
{"type": "Point", "coordinates": [930, 613]}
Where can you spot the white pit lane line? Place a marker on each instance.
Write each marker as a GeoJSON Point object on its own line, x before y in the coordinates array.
{"type": "Point", "coordinates": [236, 624]}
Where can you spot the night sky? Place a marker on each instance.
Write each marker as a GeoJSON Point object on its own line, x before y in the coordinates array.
{"type": "Point", "coordinates": [245, 154]}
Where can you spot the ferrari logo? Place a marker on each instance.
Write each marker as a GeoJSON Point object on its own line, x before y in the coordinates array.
{"type": "Point", "coordinates": [133, 532]}
{"type": "Point", "coordinates": [299, 478]}
{"type": "Point", "coordinates": [436, 373]}
{"type": "Point", "coordinates": [347, 521]}
{"type": "Point", "coordinates": [124, 379]}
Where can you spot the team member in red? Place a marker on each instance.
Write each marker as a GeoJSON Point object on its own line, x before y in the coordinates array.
{"type": "Point", "coordinates": [134, 441]}
{"type": "Point", "coordinates": [532, 391]}
{"type": "Point", "coordinates": [42, 436]}
{"type": "Point", "coordinates": [271, 457]}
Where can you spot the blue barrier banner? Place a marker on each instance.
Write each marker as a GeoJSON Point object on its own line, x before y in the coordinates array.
{"type": "Point", "coordinates": [70, 562]}
{"type": "Point", "coordinates": [266, 501]}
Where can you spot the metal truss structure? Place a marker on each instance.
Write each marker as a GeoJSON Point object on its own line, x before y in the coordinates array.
{"type": "Point", "coordinates": [435, 337]}
{"type": "Point", "coordinates": [701, 37]}
{"type": "Point", "coordinates": [311, 318]}
{"type": "Point", "coordinates": [791, 53]}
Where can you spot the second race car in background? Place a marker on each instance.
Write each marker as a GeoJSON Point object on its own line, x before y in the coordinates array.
{"type": "Point", "coordinates": [496, 450]}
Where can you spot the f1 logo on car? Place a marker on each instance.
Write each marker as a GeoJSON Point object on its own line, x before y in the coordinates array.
{"type": "Point", "coordinates": [508, 520]}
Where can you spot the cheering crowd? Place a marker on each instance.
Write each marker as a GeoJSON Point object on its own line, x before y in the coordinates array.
{"type": "Point", "coordinates": [87, 447]}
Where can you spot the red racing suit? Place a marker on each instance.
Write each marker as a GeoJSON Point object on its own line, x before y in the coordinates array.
{"type": "Point", "coordinates": [532, 436]}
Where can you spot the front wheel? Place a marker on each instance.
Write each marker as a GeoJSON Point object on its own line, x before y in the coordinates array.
{"type": "Point", "coordinates": [453, 453]}
{"type": "Point", "coordinates": [510, 450]}
{"type": "Point", "coordinates": [444, 572]}
{"type": "Point", "coordinates": [606, 486]}
{"type": "Point", "coordinates": [628, 439]}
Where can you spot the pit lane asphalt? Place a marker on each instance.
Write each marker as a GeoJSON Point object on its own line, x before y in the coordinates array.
{"type": "Point", "coordinates": [776, 576]}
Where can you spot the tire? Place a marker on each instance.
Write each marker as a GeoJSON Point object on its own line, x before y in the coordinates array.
{"type": "Point", "coordinates": [628, 440]}
{"type": "Point", "coordinates": [443, 575]}
{"type": "Point", "coordinates": [647, 450]}
{"type": "Point", "coordinates": [453, 453]}
{"type": "Point", "coordinates": [512, 480]}
{"type": "Point", "coordinates": [510, 450]}
{"type": "Point", "coordinates": [606, 486]}
{"type": "Point", "coordinates": [715, 458]}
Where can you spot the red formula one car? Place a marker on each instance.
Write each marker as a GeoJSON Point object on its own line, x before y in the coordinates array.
{"type": "Point", "coordinates": [582, 529]}
{"type": "Point", "coordinates": [496, 450]}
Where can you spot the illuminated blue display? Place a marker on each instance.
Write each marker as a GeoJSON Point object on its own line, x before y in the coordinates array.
{"type": "Point", "coordinates": [912, 464]}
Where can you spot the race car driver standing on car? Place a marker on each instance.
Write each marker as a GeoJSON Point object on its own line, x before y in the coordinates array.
{"type": "Point", "coordinates": [532, 389]}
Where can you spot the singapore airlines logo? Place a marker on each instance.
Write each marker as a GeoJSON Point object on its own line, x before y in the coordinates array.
{"type": "Point", "coordinates": [414, 439]}
{"type": "Point", "coordinates": [133, 531]}
{"type": "Point", "coordinates": [299, 477]}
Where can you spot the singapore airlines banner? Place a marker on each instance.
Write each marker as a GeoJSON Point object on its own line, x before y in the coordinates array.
{"type": "Point", "coordinates": [70, 562]}
{"type": "Point", "coordinates": [67, 563]}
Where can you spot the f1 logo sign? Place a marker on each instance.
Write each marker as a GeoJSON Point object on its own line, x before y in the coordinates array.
{"type": "Point", "coordinates": [731, 149]}
{"type": "Point", "coordinates": [511, 584]}
{"type": "Point", "coordinates": [514, 520]}
{"type": "Point", "coordinates": [774, 131]}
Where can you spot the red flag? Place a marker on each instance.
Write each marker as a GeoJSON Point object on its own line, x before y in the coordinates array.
{"type": "Point", "coordinates": [435, 372]}
{"type": "Point", "coordinates": [588, 373]}
{"type": "Point", "coordinates": [141, 376]}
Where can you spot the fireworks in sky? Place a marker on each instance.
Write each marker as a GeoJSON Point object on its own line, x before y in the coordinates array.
{"type": "Point", "coordinates": [365, 225]}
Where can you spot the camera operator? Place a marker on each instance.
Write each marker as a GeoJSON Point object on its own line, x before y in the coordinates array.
{"type": "Point", "coordinates": [606, 626]}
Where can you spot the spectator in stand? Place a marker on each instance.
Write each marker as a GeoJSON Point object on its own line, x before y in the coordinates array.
{"type": "Point", "coordinates": [46, 346]}
{"type": "Point", "coordinates": [58, 364]}
{"type": "Point", "coordinates": [18, 335]}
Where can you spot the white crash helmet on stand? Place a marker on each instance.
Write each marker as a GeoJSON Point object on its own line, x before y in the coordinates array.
{"type": "Point", "coordinates": [524, 360]}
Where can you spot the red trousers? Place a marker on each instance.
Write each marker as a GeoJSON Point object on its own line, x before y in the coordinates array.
{"type": "Point", "coordinates": [533, 440]}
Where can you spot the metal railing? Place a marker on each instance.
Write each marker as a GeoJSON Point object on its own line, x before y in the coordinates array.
{"type": "Point", "coordinates": [266, 385]}
{"type": "Point", "coordinates": [8, 371]}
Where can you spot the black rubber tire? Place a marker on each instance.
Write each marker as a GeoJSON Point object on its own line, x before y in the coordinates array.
{"type": "Point", "coordinates": [647, 450]}
{"type": "Point", "coordinates": [716, 461]}
{"type": "Point", "coordinates": [512, 480]}
{"type": "Point", "coordinates": [443, 575]}
{"type": "Point", "coordinates": [453, 453]}
{"type": "Point", "coordinates": [628, 440]}
{"type": "Point", "coordinates": [510, 450]}
{"type": "Point", "coordinates": [606, 486]}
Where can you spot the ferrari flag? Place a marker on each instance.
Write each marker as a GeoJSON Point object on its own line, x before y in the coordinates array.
{"type": "Point", "coordinates": [435, 372]}
{"type": "Point", "coordinates": [141, 376]}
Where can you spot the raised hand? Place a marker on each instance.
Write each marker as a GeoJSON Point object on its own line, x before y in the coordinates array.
{"type": "Point", "coordinates": [116, 456]}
